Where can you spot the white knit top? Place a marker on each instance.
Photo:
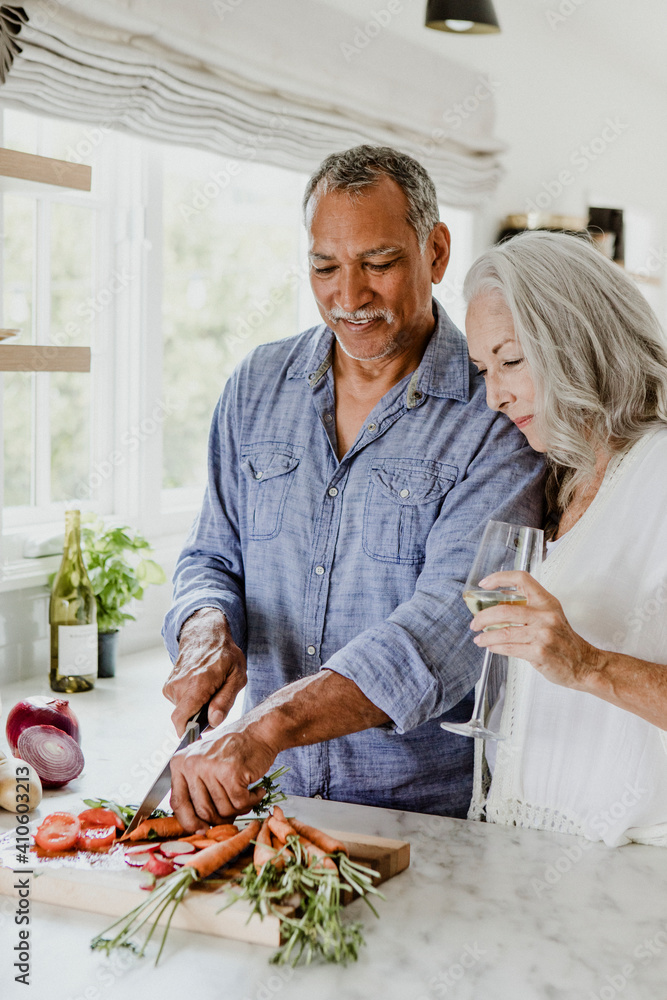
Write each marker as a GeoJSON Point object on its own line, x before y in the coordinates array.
{"type": "Point", "coordinates": [573, 763]}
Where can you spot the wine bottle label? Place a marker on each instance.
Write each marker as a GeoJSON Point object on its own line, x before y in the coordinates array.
{"type": "Point", "coordinates": [77, 649]}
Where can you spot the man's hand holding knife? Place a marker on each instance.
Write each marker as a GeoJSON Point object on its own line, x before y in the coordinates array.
{"type": "Point", "coordinates": [210, 778]}
{"type": "Point", "coordinates": [210, 668]}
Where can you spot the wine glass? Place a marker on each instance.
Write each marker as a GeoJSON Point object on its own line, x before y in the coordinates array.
{"type": "Point", "coordinates": [503, 547]}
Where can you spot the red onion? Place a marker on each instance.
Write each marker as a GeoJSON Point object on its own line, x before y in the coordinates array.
{"type": "Point", "coordinates": [41, 711]}
{"type": "Point", "coordinates": [53, 754]}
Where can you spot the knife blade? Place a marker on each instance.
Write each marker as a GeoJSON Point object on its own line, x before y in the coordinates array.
{"type": "Point", "coordinates": [195, 727]}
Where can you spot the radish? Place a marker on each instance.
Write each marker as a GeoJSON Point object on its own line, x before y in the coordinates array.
{"type": "Point", "coordinates": [138, 860]}
{"type": "Point", "coordinates": [173, 847]}
{"type": "Point", "coordinates": [142, 849]}
{"type": "Point", "coordinates": [158, 867]}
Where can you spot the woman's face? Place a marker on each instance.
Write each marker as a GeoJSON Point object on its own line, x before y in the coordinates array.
{"type": "Point", "coordinates": [496, 353]}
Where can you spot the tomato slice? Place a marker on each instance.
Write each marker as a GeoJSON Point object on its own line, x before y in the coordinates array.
{"type": "Point", "coordinates": [96, 838]}
{"type": "Point", "coordinates": [58, 832]}
{"type": "Point", "coordinates": [100, 817]}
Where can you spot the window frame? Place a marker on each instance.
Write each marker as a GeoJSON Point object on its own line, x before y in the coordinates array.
{"type": "Point", "coordinates": [126, 376]}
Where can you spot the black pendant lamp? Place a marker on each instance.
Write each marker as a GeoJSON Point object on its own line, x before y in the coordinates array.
{"type": "Point", "coordinates": [462, 17]}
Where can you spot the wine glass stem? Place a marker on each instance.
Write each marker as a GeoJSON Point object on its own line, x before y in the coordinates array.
{"type": "Point", "coordinates": [481, 689]}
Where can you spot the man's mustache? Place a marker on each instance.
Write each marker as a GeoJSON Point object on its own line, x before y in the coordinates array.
{"type": "Point", "coordinates": [360, 315]}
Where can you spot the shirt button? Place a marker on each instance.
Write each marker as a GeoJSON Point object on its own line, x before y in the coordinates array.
{"type": "Point", "coordinates": [328, 418]}
{"type": "Point", "coordinates": [372, 427]}
{"type": "Point", "coordinates": [258, 475]}
{"type": "Point", "coordinates": [319, 570]}
{"type": "Point", "coordinates": [311, 651]}
{"type": "Point", "coordinates": [404, 493]}
{"type": "Point", "coordinates": [317, 796]}
{"type": "Point", "coordinates": [418, 395]}
{"type": "Point", "coordinates": [333, 492]}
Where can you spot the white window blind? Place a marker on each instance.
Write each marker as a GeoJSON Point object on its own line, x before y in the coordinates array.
{"type": "Point", "coordinates": [281, 83]}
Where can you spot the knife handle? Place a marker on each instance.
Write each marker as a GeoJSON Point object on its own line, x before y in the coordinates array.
{"type": "Point", "coordinates": [200, 719]}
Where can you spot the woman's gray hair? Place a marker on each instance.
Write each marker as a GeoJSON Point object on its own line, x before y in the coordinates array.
{"type": "Point", "coordinates": [363, 166]}
{"type": "Point", "coordinates": [596, 351]}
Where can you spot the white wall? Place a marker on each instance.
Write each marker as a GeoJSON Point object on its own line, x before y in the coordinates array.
{"type": "Point", "coordinates": [558, 81]}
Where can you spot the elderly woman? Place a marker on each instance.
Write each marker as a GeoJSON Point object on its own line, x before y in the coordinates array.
{"type": "Point", "coordinates": [572, 353]}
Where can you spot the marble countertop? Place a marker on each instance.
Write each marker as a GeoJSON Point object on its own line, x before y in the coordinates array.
{"type": "Point", "coordinates": [482, 912]}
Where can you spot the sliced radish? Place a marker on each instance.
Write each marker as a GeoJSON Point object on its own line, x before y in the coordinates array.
{"type": "Point", "coordinates": [180, 859]}
{"type": "Point", "coordinates": [138, 860]}
{"type": "Point", "coordinates": [158, 867]}
{"type": "Point", "coordinates": [173, 847]}
{"type": "Point", "coordinates": [142, 849]}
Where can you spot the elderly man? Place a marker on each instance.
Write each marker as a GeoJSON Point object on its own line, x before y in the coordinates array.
{"type": "Point", "coordinates": [352, 469]}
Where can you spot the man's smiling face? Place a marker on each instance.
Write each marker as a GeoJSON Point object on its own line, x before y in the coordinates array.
{"type": "Point", "coordinates": [371, 282]}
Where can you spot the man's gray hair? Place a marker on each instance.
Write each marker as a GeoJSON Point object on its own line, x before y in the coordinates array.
{"type": "Point", "coordinates": [596, 351]}
{"type": "Point", "coordinates": [363, 166]}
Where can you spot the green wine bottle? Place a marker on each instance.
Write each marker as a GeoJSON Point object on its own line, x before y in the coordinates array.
{"type": "Point", "coordinates": [73, 617]}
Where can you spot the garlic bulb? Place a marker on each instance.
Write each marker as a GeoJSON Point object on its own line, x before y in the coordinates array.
{"type": "Point", "coordinates": [11, 785]}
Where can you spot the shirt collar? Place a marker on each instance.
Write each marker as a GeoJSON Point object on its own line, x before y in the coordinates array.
{"type": "Point", "coordinates": [444, 369]}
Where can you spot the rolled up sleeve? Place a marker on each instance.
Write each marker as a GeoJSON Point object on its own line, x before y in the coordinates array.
{"type": "Point", "coordinates": [421, 660]}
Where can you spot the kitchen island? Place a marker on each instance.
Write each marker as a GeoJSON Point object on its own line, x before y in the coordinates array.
{"type": "Point", "coordinates": [483, 911]}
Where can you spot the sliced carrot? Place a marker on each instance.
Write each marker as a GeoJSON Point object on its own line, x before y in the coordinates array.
{"type": "Point", "coordinates": [165, 826]}
{"type": "Point", "coordinates": [328, 844]}
{"type": "Point", "coordinates": [222, 852]}
{"type": "Point", "coordinates": [222, 832]}
{"type": "Point", "coordinates": [200, 842]}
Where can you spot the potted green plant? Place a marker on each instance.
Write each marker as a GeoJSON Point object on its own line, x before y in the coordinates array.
{"type": "Point", "coordinates": [119, 570]}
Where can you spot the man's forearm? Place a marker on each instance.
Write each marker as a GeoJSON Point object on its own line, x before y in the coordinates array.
{"type": "Point", "coordinates": [312, 710]}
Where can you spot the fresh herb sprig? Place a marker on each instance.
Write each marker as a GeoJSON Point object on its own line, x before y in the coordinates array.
{"type": "Point", "coordinates": [167, 894]}
{"type": "Point", "coordinates": [274, 793]}
{"type": "Point", "coordinates": [316, 928]}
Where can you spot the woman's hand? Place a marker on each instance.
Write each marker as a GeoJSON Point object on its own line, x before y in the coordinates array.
{"type": "Point", "coordinates": [546, 639]}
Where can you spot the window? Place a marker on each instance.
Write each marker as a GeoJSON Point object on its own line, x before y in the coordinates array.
{"type": "Point", "coordinates": [173, 267]}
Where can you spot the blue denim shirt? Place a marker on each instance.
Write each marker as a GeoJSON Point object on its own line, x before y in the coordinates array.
{"type": "Point", "coordinates": [358, 565]}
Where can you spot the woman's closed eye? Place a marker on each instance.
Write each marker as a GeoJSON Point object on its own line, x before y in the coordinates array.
{"type": "Point", "coordinates": [506, 364]}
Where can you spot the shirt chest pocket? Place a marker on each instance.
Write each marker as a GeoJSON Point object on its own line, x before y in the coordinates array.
{"type": "Point", "coordinates": [403, 501]}
{"type": "Point", "coordinates": [270, 474]}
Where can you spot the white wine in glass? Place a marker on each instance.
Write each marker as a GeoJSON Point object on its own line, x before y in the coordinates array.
{"type": "Point", "coordinates": [503, 547]}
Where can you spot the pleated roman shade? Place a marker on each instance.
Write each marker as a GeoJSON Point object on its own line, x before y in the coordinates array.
{"type": "Point", "coordinates": [283, 82]}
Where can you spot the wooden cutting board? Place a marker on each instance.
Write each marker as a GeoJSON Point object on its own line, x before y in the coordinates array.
{"type": "Point", "coordinates": [105, 884]}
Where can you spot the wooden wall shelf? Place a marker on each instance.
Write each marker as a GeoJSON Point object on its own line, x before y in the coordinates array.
{"type": "Point", "coordinates": [44, 170]}
{"type": "Point", "coordinates": [19, 358]}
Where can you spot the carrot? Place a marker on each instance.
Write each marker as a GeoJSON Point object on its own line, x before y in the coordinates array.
{"type": "Point", "coordinates": [200, 842]}
{"type": "Point", "coordinates": [220, 853]}
{"type": "Point", "coordinates": [165, 826]}
{"type": "Point", "coordinates": [328, 844]}
{"type": "Point", "coordinates": [264, 852]}
{"type": "Point", "coordinates": [283, 828]}
{"type": "Point", "coordinates": [222, 832]}
{"type": "Point", "coordinates": [279, 826]}
{"type": "Point", "coordinates": [316, 855]}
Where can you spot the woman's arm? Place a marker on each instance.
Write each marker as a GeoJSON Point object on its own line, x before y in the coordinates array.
{"type": "Point", "coordinates": [549, 643]}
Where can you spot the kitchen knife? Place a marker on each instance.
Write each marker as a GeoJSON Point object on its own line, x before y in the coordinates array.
{"type": "Point", "coordinates": [195, 727]}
